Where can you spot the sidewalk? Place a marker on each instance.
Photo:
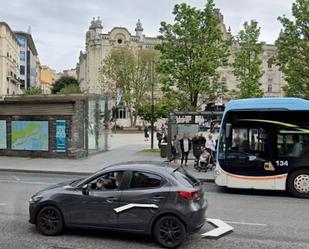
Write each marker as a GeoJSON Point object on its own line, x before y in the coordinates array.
{"type": "Point", "coordinates": [125, 147]}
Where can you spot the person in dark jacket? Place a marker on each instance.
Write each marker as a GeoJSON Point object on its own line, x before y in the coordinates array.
{"type": "Point", "coordinates": [146, 134]}
{"type": "Point", "coordinates": [185, 145]}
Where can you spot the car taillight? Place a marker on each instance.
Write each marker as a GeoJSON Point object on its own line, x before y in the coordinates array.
{"type": "Point", "coordinates": [189, 195]}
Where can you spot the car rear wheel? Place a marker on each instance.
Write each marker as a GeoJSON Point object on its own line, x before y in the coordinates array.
{"type": "Point", "coordinates": [298, 183]}
{"type": "Point", "coordinates": [169, 232]}
{"type": "Point", "coordinates": [50, 221]}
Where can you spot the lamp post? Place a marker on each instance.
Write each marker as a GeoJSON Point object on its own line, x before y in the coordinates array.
{"type": "Point", "coordinates": [152, 102]}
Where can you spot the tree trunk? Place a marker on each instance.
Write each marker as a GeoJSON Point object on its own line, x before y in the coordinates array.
{"type": "Point", "coordinates": [134, 120]}
{"type": "Point", "coordinates": [130, 116]}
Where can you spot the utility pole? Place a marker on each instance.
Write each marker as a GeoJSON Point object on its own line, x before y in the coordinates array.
{"type": "Point", "coordinates": [152, 102]}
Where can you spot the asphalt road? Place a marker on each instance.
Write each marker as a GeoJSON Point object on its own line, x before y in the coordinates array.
{"type": "Point", "coordinates": [261, 219]}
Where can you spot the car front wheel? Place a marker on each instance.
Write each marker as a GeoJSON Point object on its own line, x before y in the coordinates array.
{"type": "Point", "coordinates": [50, 221]}
{"type": "Point", "coordinates": [169, 232]}
{"type": "Point", "coordinates": [298, 183]}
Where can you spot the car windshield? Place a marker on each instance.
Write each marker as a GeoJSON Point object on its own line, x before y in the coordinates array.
{"type": "Point", "coordinates": [76, 182]}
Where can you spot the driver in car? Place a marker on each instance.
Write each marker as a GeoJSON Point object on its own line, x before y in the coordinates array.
{"type": "Point", "coordinates": [99, 184]}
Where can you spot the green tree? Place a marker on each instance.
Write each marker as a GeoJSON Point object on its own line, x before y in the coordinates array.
{"type": "Point", "coordinates": [247, 66]}
{"type": "Point", "coordinates": [63, 82]}
{"type": "Point", "coordinates": [129, 70]}
{"type": "Point", "coordinates": [33, 91]}
{"type": "Point", "coordinates": [192, 50]}
{"type": "Point", "coordinates": [293, 50]}
{"type": "Point", "coordinates": [162, 108]}
{"type": "Point", "coordinates": [70, 89]}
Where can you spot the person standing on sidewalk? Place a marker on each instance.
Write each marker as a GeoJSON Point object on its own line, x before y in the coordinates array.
{"type": "Point", "coordinates": [159, 137]}
{"type": "Point", "coordinates": [176, 150]}
{"type": "Point", "coordinates": [146, 134]}
{"type": "Point", "coordinates": [185, 145]}
{"type": "Point", "coordinates": [211, 147]}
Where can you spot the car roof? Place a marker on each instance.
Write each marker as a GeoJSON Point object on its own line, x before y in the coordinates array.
{"type": "Point", "coordinates": [141, 166]}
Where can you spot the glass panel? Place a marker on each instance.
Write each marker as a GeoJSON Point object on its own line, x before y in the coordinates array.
{"type": "Point", "coordinates": [145, 180]}
{"type": "Point", "coordinates": [293, 145]}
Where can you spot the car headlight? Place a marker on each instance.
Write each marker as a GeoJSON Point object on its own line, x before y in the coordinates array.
{"type": "Point", "coordinates": [35, 198]}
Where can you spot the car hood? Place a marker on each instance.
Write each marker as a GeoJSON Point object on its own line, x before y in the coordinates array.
{"type": "Point", "coordinates": [55, 186]}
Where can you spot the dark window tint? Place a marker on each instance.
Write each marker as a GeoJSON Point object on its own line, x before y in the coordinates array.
{"type": "Point", "coordinates": [185, 178]}
{"type": "Point", "coordinates": [145, 180]}
{"type": "Point", "coordinates": [22, 70]}
{"type": "Point", "coordinates": [292, 144]}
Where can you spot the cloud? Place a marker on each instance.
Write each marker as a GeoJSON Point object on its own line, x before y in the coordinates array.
{"type": "Point", "coordinates": [59, 27]}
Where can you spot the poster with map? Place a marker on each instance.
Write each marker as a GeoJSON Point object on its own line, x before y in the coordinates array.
{"type": "Point", "coordinates": [2, 134]}
{"type": "Point", "coordinates": [30, 135]}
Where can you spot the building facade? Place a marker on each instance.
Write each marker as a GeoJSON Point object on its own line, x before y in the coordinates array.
{"type": "Point", "coordinates": [9, 61]}
{"type": "Point", "coordinates": [47, 79]}
{"type": "Point", "coordinates": [28, 60]}
{"type": "Point", "coordinates": [67, 72]}
{"type": "Point", "coordinates": [99, 45]}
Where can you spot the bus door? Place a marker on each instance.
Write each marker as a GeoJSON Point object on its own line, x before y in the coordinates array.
{"type": "Point", "coordinates": [250, 158]}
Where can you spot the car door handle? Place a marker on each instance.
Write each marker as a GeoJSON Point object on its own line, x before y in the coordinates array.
{"type": "Point", "coordinates": [158, 197]}
{"type": "Point", "coordinates": [111, 199]}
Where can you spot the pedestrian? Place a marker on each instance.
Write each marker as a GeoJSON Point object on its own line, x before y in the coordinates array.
{"type": "Point", "coordinates": [185, 145]}
{"type": "Point", "coordinates": [146, 134]}
{"type": "Point", "coordinates": [159, 137]}
{"type": "Point", "coordinates": [176, 150]}
{"type": "Point", "coordinates": [211, 146]}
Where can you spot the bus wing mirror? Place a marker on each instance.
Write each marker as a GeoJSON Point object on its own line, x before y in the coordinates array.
{"type": "Point", "coordinates": [228, 130]}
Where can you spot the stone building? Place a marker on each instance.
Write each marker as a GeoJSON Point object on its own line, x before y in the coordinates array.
{"type": "Point", "coordinates": [47, 79]}
{"type": "Point", "coordinates": [9, 61]}
{"type": "Point", "coordinates": [98, 46]}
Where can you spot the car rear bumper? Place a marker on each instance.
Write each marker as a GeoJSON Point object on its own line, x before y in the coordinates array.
{"type": "Point", "coordinates": [197, 219]}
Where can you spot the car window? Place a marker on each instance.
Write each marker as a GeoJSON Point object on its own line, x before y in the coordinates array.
{"type": "Point", "coordinates": [145, 180]}
{"type": "Point", "coordinates": [108, 181]}
{"type": "Point", "coordinates": [185, 179]}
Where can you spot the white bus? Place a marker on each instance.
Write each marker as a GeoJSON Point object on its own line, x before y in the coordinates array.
{"type": "Point", "coordinates": [264, 144]}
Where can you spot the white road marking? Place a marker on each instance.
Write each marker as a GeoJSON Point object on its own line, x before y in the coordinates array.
{"type": "Point", "coordinates": [3, 204]}
{"type": "Point", "coordinates": [132, 205]}
{"type": "Point", "coordinates": [222, 229]}
{"type": "Point", "coordinates": [246, 223]}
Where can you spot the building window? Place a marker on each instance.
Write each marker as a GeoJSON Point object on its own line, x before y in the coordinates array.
{"type": "Point", "coordinates": [22, 55]}
{"type": "Point", "coordinates": [270, 65]}
{"type": "Point", "coordinates": [270, 88]}
{"type": "Point", "coordinates": [22, 70]}
{"type": "Point", "coordinates": [22, 41]}
{"type": "Point", "coordinates": [121, 113]}
{"type": "Point", "coordinates": [119, 41]}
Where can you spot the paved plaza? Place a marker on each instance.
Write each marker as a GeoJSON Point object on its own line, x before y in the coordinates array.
{"type": "Point", "coordinates": [123, 148]}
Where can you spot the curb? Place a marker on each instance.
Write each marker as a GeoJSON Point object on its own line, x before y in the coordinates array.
{"type": "Point", "coordinates": [46, 172]}
{"type": "Point", "coordinates": [203, 180]}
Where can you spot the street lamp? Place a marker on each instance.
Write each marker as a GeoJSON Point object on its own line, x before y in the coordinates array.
{"type": "Point", "coordinates": [152, 101]}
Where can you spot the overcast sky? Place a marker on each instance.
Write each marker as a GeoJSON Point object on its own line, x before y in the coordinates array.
{"type": "Point", "coordinates": [58, 27]}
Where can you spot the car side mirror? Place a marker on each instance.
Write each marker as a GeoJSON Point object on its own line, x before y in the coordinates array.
{"type": "Point", "coordinates": [252, 158]}
{"type": "Point", "coordinates": [85, 189]}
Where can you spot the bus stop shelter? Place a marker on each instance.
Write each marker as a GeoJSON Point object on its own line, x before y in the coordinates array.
{"type": "Point", "coordinates": [190, 123]}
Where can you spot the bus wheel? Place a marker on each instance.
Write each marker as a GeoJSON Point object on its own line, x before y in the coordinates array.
{"type": "Point", "coordinates": [298, 183]}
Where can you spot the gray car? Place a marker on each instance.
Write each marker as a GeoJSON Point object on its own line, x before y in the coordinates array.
{"type": "Point", "coordinates": [158, 200]}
